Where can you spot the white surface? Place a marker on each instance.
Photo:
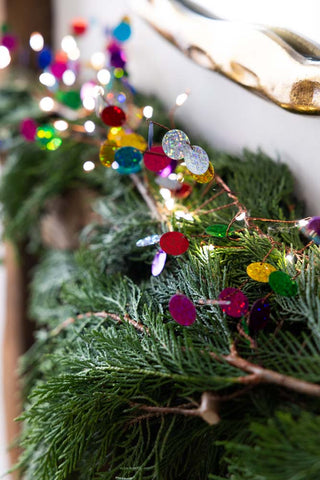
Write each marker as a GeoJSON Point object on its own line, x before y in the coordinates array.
{"type": "Point", "coordinates": [225, 114]}
{"type": "Point", "coordinates": [292, 14]}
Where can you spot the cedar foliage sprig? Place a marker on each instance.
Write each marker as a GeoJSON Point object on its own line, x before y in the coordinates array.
{"type": "Point", "coordinates": [105, 399]}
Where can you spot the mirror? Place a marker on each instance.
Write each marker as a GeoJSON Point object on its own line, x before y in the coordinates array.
{"type": "Point", "coordinates": [261, 51]}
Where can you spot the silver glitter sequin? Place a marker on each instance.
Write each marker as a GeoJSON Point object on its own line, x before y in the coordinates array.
{"type": "Point", "coordinates": [149, 240]}
{"type": "Point", "coordinates": [173, 144]}
{"type": "Point", "coordinates": [196, 159]}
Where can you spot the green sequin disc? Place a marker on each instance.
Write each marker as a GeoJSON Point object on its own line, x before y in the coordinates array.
{"type": "Point", "coordinates": [282, 283]}
{"type": "Point", "coordinates": [107, 151]}
{"type": "Point", "coordinates": [44, 134]}
{"type": "Point", "coordinates": [219, 230]}
{"type": "Point", "coordinates": [71, 98]}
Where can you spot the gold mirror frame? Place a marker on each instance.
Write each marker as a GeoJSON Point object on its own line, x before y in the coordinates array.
{"type": "Point", "coordinates": [276, 64]}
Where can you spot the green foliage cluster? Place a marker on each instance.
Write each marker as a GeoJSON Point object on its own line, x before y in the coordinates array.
{"type": "Point", "coordinates": [89, 373]}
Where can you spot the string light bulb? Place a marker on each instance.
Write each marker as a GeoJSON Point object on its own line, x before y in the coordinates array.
{"type": "Point", "coordinates": [5, 57]}
{"type": "Point", "coordinates": [89, 103]}
{"type": "Point", "coordinates": [68, 44]}
{"type": "Point", "coordinates": [165, 193]}
{"type": "Point", "coordinates": [88, 166]}
{"type": "Point", "coordinates": [147, 111]}
{"type": "Point", "coordinates": [46, 104]}
{"type": "Point", "coordinates": [47, 79]}
{"type": "Point", "coordinates": [89, 126]}
{"type": "Point", "coordinates": [104, 76]}
{"type": "Point", "coordinates": [170, 203]}
{"type": "Point", "coordinates": [181, 98]}
{"type": "Point", "coordinates": [180, 214]}
{"type": "Point", "coordinates": [290, 258]}
{"type": "Point", "coordinates": [74, 54]}
{"type": "Point", "coordinates": [36, 41]}
{"type": "Point", "coordinates": [241, 216]}
{"type": "Point", "coordinates": [98, 60]}
{"type": "Point", "coordinates": [303, 222]}
{"type": "Point", "coordinates": [68, 77]}
{"type": "Point", "coordinates": [61, 125]}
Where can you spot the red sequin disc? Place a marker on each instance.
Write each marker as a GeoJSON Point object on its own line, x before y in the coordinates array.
{"type": "Point", "coordinates": [155, 159]}
{"type": "Point", "coordinates": [174, 243]}
{"type": "Point", "coordinates": [183, 192]}
{"type": "Point", "coordinates": [113, 116]}
{"type": "Point", "coordinates": [239, 304]}
{"type": "Point", "coordinates": [79, 26]}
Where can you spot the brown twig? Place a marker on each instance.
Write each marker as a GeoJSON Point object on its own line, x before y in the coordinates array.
{"type": "Point", "coordinates": [274, 221]}
{"type": "Point", "coordinates": [192, 412]}
{"type": "Point", "coordinates": [221, 207]}
{"type": "Point", "coordinates": [147, 197]}
{"type": "Point", "coordinates": [259, 374]}
{"type": "Point", "coordinates": [117, 318]}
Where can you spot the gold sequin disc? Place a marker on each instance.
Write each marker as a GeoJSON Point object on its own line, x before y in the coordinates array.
{"type": "Point", "coordinates": [107, 151]}
{"type": "Point", "coordinates": [133, 140]}
{"type": "Point", "coordinates": [260, 271]}
{"type": "Point", "coordinates": [205, 177]}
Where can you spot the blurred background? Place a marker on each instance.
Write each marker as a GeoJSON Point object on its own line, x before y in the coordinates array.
{"type": "Point", "coordinates": [218, 110]}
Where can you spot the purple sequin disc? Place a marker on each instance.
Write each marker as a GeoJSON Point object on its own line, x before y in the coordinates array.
{"type": "Point", "coordinates": [158, 263]}
{"type": "Point", "coordinates": [182, 309]}
{"type": "Point", "coordinates": [314, 225]}
{"type": "Point", "coordinates": [259, 315]}
{"type": "Point", "coordinates": [28, 128]}
{"type": "Point", "coordinates": [239, 303]}
{"type": "Point", "coordinates": [169, 169]}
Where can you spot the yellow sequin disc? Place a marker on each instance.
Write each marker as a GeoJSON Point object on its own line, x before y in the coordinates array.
{"type": "Point", "coordinates": [115, 134]}
{"type": "Point", "coordinates": [260, 271]}
{"type": "Point", "coordinates": [133, 140]}
{"type": "Point", "coordinates": [206, 177]}
{"type": "Point", "coordinates": [107, 150]}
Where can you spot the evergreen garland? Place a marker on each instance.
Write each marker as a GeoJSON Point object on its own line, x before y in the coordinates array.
{"type": "Point", "coordinates": [114, 387]}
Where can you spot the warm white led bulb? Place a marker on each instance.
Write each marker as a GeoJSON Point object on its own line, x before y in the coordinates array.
{"type": "Point", "coordinates": [147, 111]}
{"type": "Point", "coordinates": [74, 54]}
{"type": "Point", "coordinates": [5, 57]}
{"type": "Point", "coordinates": [115, 165]}
{"type": "Point", "coordinates": [303, 222]}
{"type": "Point", "coordinates": [173, 176]}
{"type": "Point", "coordinates": [208, 248]}
{"type": "Point", "coordinates": [36, 41]}
{"type": "Point", "coordinates": [165, 193]}
{"type": "Point", "coordinates": [68, 44]}
{"type": "Point", "coordinates": [46, 104]}
{"type": "Point", "coordinates": [68, 77]}
{"type": "Point", "coordinates": [241, 216]}
{"type": "Point", "coordinates": [290, 258]}
{"type": "Point", "coordinates": [47, 79]}
{"type": "Point", "coordinates": [104, 76]}
{"type": "Point", "coordinates": [89, 126]}
{"type": "Point", "coordinates": [88, 166]}
{"type": "Point", "coordinates": [61, 125]}
{"type": "Point", "coordinates": [89, 103]}
{"type": "Point", "coordinates": [185, 215]}
{"type": "Point", "coordinates": [170, 203]}
{"type": "Point", "coordinates": [98, 60]}
{"type": "Point", "coordinates": [181, 99]}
